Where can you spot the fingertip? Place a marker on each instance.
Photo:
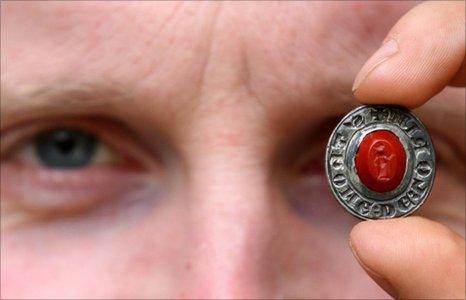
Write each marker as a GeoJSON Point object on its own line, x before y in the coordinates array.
{"type": "Point", "coordinates": [382, 87]}
{"type": "Point", "coordinates": [421, 55]}
{"type": "Point", "coordinates": [359, 238]}
{"type": "Point", "coordinates": [359, 232]}
{"type": "Point", "coordinates": [401, 80]}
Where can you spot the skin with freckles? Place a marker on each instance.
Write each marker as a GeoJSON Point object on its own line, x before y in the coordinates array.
{"type": "Point", "coordinates": [212, 119]}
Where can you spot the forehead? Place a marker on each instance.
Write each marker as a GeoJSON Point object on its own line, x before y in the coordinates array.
{"type": "Point", "coordinates": [179, 51]}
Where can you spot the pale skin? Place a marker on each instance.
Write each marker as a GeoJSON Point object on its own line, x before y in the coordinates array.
{"type": "Point", "coordinates": [224, 110]}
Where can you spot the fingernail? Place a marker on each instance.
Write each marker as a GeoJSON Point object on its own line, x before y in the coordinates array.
{"type": "Point", "coordinates": [387, 50]}
{"type": "Point", "coordinates": [380, 280]}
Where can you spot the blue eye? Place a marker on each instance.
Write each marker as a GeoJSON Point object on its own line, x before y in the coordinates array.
{"type": "Point", "coordinates": [65, 148]}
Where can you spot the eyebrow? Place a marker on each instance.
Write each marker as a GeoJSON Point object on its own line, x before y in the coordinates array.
{"type": "Point", "coordinates": [58, 98]}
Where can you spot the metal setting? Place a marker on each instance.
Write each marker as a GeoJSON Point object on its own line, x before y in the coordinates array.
{"type": "Point", "coordinates": [342, 175]}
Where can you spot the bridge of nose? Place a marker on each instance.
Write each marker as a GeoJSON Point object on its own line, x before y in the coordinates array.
{"type": "Point", "coordinates": [229, 207]}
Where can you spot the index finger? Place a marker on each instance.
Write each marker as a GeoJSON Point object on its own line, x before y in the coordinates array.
{"type": "Point", "coordinates": [423, 53]}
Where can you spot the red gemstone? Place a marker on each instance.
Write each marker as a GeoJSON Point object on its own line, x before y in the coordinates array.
{"type": "Point", "coordinates": [381, 161]}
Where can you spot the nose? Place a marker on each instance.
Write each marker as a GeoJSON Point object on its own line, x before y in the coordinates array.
{"type": "Point", "coordinates": [231, 226]}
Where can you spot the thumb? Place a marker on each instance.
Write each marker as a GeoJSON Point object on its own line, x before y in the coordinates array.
{"type": "Point", "coordinates": [412, 257]}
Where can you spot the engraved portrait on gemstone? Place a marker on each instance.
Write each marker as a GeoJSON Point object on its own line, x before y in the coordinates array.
{"type": "Point", "coordinates": [381, 156]}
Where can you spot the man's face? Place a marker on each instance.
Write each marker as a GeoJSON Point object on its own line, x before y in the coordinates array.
{"type": "Point", "coordinates": [211, 120]}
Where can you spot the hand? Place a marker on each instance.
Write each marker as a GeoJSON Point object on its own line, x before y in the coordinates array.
{"type": "Point", "coordinates": [422, 54]}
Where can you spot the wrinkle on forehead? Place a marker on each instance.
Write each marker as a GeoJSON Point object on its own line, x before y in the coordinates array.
{"type": "Point", "coordinates": [124, 44]}
{"type": "Point", "coordinates": [274, 52]}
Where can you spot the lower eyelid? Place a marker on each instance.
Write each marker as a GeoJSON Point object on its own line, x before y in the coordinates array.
{"type": "Point", "coordinates": [55, 191]}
